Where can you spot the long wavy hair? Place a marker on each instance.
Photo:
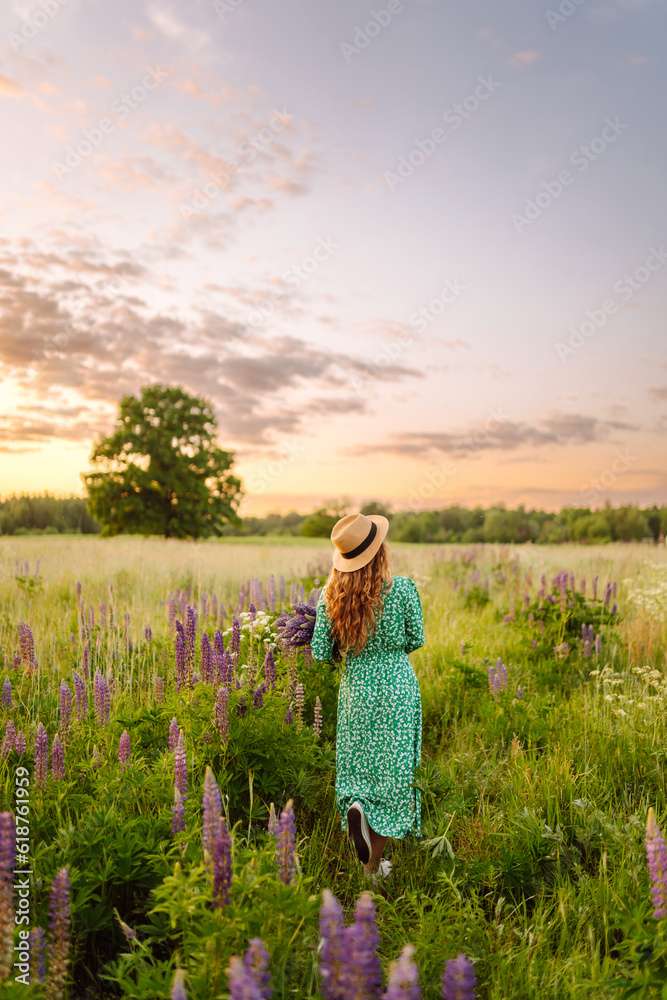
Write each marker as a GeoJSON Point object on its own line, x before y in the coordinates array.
{"type": "Point", "coordinates": [354, 602]}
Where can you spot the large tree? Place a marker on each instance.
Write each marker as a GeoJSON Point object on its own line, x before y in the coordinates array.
{"type": "Point", "coordinates": [161, 471]}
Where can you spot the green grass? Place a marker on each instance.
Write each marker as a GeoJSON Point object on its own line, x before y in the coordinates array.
{"type": "Point", "coordinates": [534, 801]}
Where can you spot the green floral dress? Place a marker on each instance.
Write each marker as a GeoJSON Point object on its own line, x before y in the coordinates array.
{"type": "Point", "coordinates": [379, 724]}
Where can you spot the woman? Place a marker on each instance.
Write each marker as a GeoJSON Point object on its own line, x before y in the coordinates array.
{"type": "Point", "coordinates": [374, 621]}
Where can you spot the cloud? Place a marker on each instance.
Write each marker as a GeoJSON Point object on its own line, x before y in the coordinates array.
{"type": "Point", "coordinates": [9, 88]}
{"type": "Point", "coordinates": [502, 435]}
{"type": "Point", "coordinates": [76, 325]}
{"type": "Point", "coordinates": [132, 174]}
{"type": "Point", "coordinates": [175, 30]}
{"type": "Point", "coordinates": [526, 57]}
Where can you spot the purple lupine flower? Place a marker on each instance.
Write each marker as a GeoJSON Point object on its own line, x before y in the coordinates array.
{"type": "Point", "coordinates": [252, 612]}
{"type": "Point", "coordinates": [289, 715]}
{"type": "Point", "coordinates": [148, 633]}
{"type": "Point", "coordinates": [497, 677]}
{"type": "Point", "coordinates": [285, 835]}
{"type": "Point", "coordinates": [458, 979]}
{"type": "Point", "coordinates": [299, 696]}
{"type": "Point", "coordinates": [65, 705]}
{"type": "Point", "coordinates": [38, 954]}
{"type": "Point", "coordinates": [57, 759]}
{"type": "Point", "coordinates": [227, 668]}
{"type": "Point", "coordinates": [269, 669]}
{"type": "Point", "coordinates": [27, 646]}
{"type": "Point", "coordinates": [80, 696]}
{"type": "Point", "coordinates": [256, 961]}
{"type": "Point", "coordinates": [317, 717]}
{"type": "Point", "coordinates": [222, 864]}
{"type": "Point", "coordinates": [7, 693]}
{"type": "Point", "coordinates": [102, 698]}
{"type": "Point", "coordinates": [222, 713]}
{"type": "Point", "coordinates": [59, 935]}
{"type": "Point", "coordinates": [41, 754]}
{"type": "Point", "coordinates": [614, 609]}
{"type": "Point", "coordinates": [271, 592]}
{"type": "Point", "coordinates": [206, 659]}
{"type": "Point", "coordinates": [333, 953]}
{"type": "Point", "coordinates": [181, 766]}
{"type": "Point", "coordinates": [242, 707]}
{"type": "Point", "coordinates": [177, 813]}
{"type": "Point", "coordinates": [258, 696]}
{"type": "Point", "coordinates": [9, 741]}
{"type": "Point", "coordinates": [158, 688]}
{"type": "Point", "coordinates": [219, 654]}
{"type": "Point", "coordinates": [174, 731]}
{"type": "Point", "coordinates": [403, 982]}
{"type": "Point", "coordinates": [361, 940]}
{"type": "Point", "coordinates": [241, 984]}
{"type": "Point", "coordinates": [124, 746]}
{"type": "Point", "coordinates": [178, 986]}
{"type": "Point", "coordinates": [20, 742]}
{"type": "Point", "coordinates": [190, 637]}
{"type": "Point", "coordinates": [7, 847]}
{"type": "Point", "coordinates": [656, 857]}
{"type": "Point", "coordinates": [181, 657]}
{"type": "Point", "coordinates": [235, 644]}
{"type": "Point", "coordinates": [607, 594]}
{"type": "Point", "coordinates": [171, 610]}
{"type": "Point", "coordinates": [211, 811]}
{"type": "Point", "coordinates": [296, 630]}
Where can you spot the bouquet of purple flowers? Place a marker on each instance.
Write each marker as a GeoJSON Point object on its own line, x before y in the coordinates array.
{"type": "Point", "coordinates": [295, 628]}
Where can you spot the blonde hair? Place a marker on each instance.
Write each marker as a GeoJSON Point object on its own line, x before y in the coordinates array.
{"type": "Point", "coordinates": [354, 601]}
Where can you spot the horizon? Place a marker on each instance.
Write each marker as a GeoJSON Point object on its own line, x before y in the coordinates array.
{"type": "Point", "coordinates": [411, 247]}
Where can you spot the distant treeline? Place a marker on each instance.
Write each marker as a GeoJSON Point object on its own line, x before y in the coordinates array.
{"type": "Point", "coordinates": [21, 515]}
{"type": "Point", "coordinates": [27, 515]}
{"type": "Point", "coordinates": [480, 524]}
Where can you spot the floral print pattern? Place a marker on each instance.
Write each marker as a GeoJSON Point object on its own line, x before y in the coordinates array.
{"type": "Point", "coordinates": [379, 723]}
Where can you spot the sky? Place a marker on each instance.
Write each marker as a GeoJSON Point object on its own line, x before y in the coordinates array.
{"type": "Point", "coordinates": [411, 250]}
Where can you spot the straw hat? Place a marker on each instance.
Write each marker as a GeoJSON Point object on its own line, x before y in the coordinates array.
{"type": "Point", "coordinates": [356, 538]}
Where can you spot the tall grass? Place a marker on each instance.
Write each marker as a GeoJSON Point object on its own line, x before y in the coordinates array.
{"type": "Point", "coordinates": [534, 799]}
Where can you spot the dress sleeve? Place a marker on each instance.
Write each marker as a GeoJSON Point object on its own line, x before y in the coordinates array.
{"type": "Point", "coordinates": [414, 619]}
{"type": "Point", "coordinates": [321, 645]}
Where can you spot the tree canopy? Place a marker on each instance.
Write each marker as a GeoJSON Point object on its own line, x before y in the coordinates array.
{"type": "Point", "coordinates": [161, 470]}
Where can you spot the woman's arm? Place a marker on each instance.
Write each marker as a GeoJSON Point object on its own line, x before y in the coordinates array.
{"type": "Point", "coordinates": [414, 618]}
{"type": "Point", "coordinates": [322, 645]}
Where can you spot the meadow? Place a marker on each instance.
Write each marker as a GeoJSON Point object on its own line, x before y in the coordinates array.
{"type": "Point", "coordinates": [544, 693]}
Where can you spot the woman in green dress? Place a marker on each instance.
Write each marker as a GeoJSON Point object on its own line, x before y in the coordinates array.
{"type": "Point", "coordinates": [373, 621]}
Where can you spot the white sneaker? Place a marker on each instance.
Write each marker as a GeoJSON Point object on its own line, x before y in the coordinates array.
{"type": "Point", "coordinates": [384, 871]}
{"type": "Point", "coordinates": [357, 827]}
